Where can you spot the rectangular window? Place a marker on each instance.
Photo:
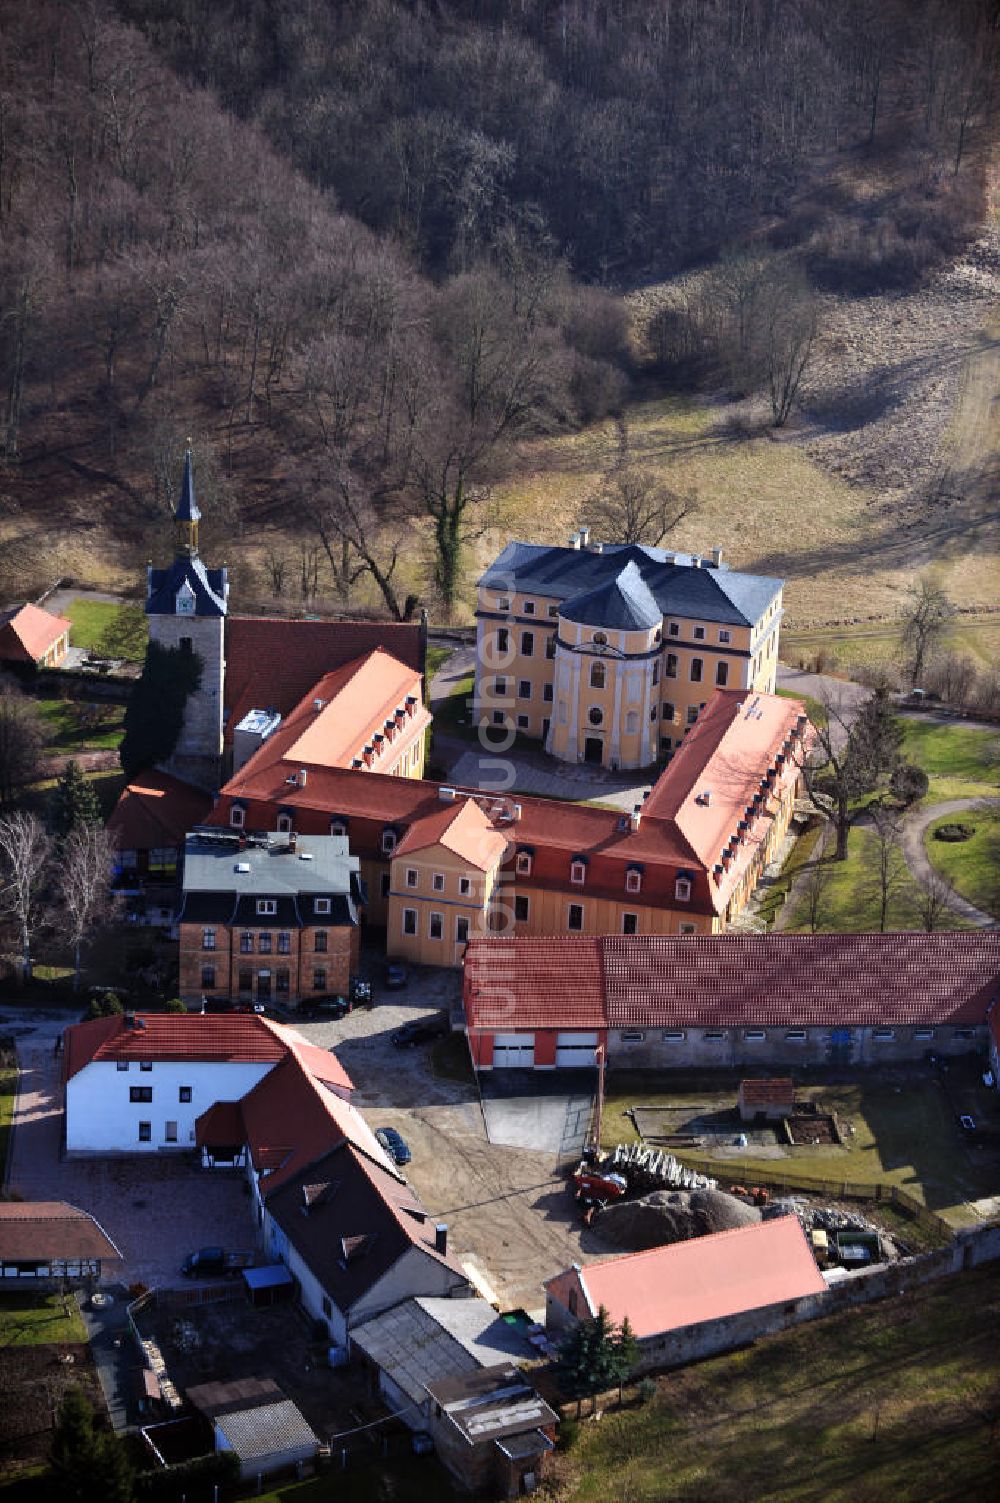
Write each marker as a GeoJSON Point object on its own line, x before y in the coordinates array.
{"type": "Point", "coordinates": [713, 1037]}
{"type": "Point", "coordinates": [673, 1035]}
{"type": "Point", "coordinates": [267, 905]}
{"type": "Point", "coordinates": [796, 1035]}
{"type": "Point", "coordinates": [319, 979]}
{"type": "Point", "coordinates": [184, 1093]}
{"type": "Point", "coordinates": [384, 884]}
{"type": "Point", "coordinates": [524, 688]}
{"type": "Point", "coordinates": [633, 881]}
{"type": "Point", "coordinates": [464, 887]}
{"type": "Point", "coordinates": [688, 929]}
{"type": "Point", "coordinates": [682, 890]}
{"type": "Point", "coordinates": [461, 929]}
{"type": "Point", "coordinates": [725, 636]}
{"type": "Point", "coordinates": [320, 941]}
{"type": "Point", "coordinates": [923, 1034]}
{"type": "Point", "coordinates": [145, 1064]}
{"type": "Point", "coordinates": [699, 634]}
{"type": "Point", "coordinates": [237, 815]}
{"type": "Point", "coordinates": [264, 944]}
{"type": "Point", "coordinates": [630, 923]}
{"type": "Point", "coordinates": [722, 675]}
{"type": "Point", "coordinates": [529, 607]}
{"type": "Point", "coordinates": [500, 686]}
{"type": "Point", "coordinates": [208, 939]}
{"type": "Point", "coordinates": [692, 714]}
{"type": "Point", "coordinates": [883, 1035]}
{"type": "Point", "coordinates": [523, 722]}
{"type": "Point", "coordinates": [575, 919]}
{"type": "Point", "coordinates": [503, 639]}
{"type": "Point", "coordinates": [388, 842]}
{"type": "Point", "coordinates": [527, 644]}
{"type": "Point", "coordinates": [145, 1132]}
{"type": "Point", "coordinates": [412, 876]}
{"type": "Point", "coordinates": [503, 604]}
{"type": "Point", "coordinates": [521, 910]}
{"type": "Point", "coordinates": [963, 1033]}
{"type": "Point", "coordinates": [437, 882]}
{"type": "Point", "coordinates": [523, 863]}
{"type": "Point", "coordinates": [697, 667]}
{"type": "Point", "coordinates": [553, 610]}
{"type": "Point", "coordinates": [633, 1036]}
{"type": "Point", "coordinates": [284, 944]}
{"type": "Point", "coordinates": [121, 1064]}
{"type": "Point", "coordinates": [666, 710]}
{"type": "Point", "coordinates": [246, 943]}
{"type": "Point", "coordinates": [321, 905]}
{"type": "Point", "coordinates": [140, 1093]}
{"type": "Point", "coordinates": [550, 648]}
{"type": "Point", "coordinates": [666, 744]}
{"type": "Point", "coordinates": [281, 980]}
{"type": "Point", "coordinates": [435, 926]}
{"type": "Point", "coordinates": [674, 629]}
{"type": "Point", "coordinates": [547, 693]}
{"type": "Point", "coordinates": [499, 718]}
{"type": "Point", "coordinates": [409, 921]}
{"type": "Point", "coordinates": [170, 1132]}
{"type": "Point", "coordinates": [577, 873]}
{"type": "Point", "coordinates": [245, 981]}
{"type": "Point", "coordinates": [670, 665]}
{"type": "Point", "coordinates": [754, 1035]}
{"type": "Point", "coordinates": [208, 978]}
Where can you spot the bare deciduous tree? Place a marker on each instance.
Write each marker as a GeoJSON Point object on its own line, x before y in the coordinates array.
{"type": "Point", "coordinates": [24, 856]}
{"type": "Point", "coordinates": [854, 750]}
{"type": "Point", "coordinates": [927, 615]}
{"type": "Point", "coordinates": [632, 504]}
{"type": "Point", "coordinates": [789, 323]}
{"type": "Point", "coordinates": [84, 885]}
{"type": "Point", "coordinates": [890, 865]}
{"type": "Point", "coordinates": [933, 902]}
{"type": "Point", "coordinates": [814, 891]}
{"type": "Point", "coordinates": [357, 542]}
{"type": "Point", "coordinates": [21, 740]}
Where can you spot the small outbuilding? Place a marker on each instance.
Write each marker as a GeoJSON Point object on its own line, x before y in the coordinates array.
{"type": "Point", "coordinates": [255, 1420]}
{"type": "Point", "coordinates": [42, 1240]}
{"type": "Point", "coordinates": [492, 1430]}
{"type": "Point", "coordinates": [30, 635]}
{"type": "Point", "coordinates": [767, 1100]}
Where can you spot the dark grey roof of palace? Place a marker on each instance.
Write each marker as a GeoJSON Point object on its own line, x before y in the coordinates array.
{"type": "Point", "coordinates": [207, 585]}
{"type": "Point", "coordinates": [678, 586]}
{"type": "Point", "coordinates": [624, 602]}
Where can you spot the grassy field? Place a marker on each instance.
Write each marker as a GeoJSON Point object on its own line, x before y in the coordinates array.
{"type": "Point", "coordinates": [90, 619]}
{"type": "Point", "coordinates": [38, 1319]}
{"type": "Point", "coordinates": [972, 866]}
{"type": "Point", "coordinates": [868, 644]}
{"type": "Point", "coordinates": [72, 727]}
{"type": "Point", "coordinates": [897, 1401]}
{"type": "Point", "coordinates": [957, 759]}
{"type": "Point", "coordinates": [803, 851]}
{"type": "Point", "coordinates": [8, 1092]}
{"type": "Point", "coordinates": [904, 1135]}
{"type": "Point", "coordinates": [851, 898]}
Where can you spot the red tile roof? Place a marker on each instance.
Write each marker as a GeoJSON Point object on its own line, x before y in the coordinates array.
{"type": "Point", "coordinates": [156, 809]}
{"type": "Point", "coordinates": [707, 1278]}
{"type": "Point", "coordinates": [358, 699]}
{"type": "Point", "coordinates": [172, 1036]}
{"type": "Point", "coordinates": [273, 664]}
{"type": "Point", "coordinates": [462, 828]}
{"type": "Point", "coordinates": [732, 980]}
{"type": "Point", "coordinates": [51, 1229]}
{"type": "Point", "coordinates": [27, 634]}
{"type": "Point", "coordinates": [767, 1092]}
{"type": "Point", "coordinates": [534, 982]}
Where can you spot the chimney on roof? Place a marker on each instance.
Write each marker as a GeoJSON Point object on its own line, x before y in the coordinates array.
{"type": "Point", "coordinates": [695, 561]}
{"type": "Point", "coordinates": [574, 541]}
{"type": "Point", "coordinates": [302, 777]}
{"type": "Point", "coordinates": [292, 840]}
{"type": "Point", "coordinates": [441, 1238]}
{"type": "Point", "coordinates": [597, 548]}
{"type": "Point", "coordinates": [716, 558]}
{"type": "Point", "coordinates": [584, 537]}
{"type": "Point", "coordinates": [516, 812]}
{"type": "Point", "coordinates": [635, 818]}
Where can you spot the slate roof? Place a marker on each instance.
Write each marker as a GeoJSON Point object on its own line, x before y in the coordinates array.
{"type": "Point", "coordinates": [209, 586]}
{"type": "Point", "coordinates": [425, 1340]}
{"type": "Point", "coordinates": [731, 980]}
{"type": "Point", "coordinates": [27, 632]}
{"type": "Point", "coordinates": [155, 809]}
{"type": "Point", "coordinates": [187, 507]}
{"type": "Point", "coordinates": [706, 1278]}
{"type": "Point", "coordinates": [678, 587]}
{"type": "Point", "coordinates": [623, 603]}
{"type": "Point", "coordinates": [51, 1229]}
{"type": "Point", "coordinates": [273, 664]}
{"type": "Point", "coordinates": [225, 1037]}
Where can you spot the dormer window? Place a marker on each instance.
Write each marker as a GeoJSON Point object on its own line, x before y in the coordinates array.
{"type": "Point", "coordinates": [338, 827]}
{"type": "Point", "coordinates": [523, 864]}
{"type": "Point", "coordinates": [284, 823]}
{"type": "Point", "coordinates": [600, 639]}
{"type": "Point", "coordinates": [184, 600]}
{"type": "Point", "coordinates": [503, 604]}
{"type": "Point", "coordinates": [388, 842]}
{"type": "Point", "coordinates": [267, 907]}
{"type": "Point", "coordinates": [321, 905]}
{"type": "Point", "coordinates": [578, 872]}
{"type": "Point", "coordinates": [633, 879]}
{"type": "Point", "coordinates": [682, 889]}
{"type": "Point", "coordinates": [237, 816]}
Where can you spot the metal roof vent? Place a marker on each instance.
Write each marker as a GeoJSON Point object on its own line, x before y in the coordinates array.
{"type": "Point", "coordinates": [305, 855]}
{"type": "Point", "coordinates": [242, 866]}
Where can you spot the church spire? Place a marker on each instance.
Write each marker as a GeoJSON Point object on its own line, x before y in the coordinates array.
{"type": "Point", "coordinates": [187, 515]}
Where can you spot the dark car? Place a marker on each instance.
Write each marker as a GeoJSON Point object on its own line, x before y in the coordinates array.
{"type": "Point", "coordinates": [394, 1145]}
{"type": "Point", "coordinates": [396, 976]}
{"type": "Point", "coordinates": [325, 1007]}
{"type": "Point", "coordinates": [421, 1030]}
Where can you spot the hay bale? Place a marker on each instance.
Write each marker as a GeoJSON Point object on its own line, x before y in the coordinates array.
{"type": "Point", "coordinates": [668, 1216]}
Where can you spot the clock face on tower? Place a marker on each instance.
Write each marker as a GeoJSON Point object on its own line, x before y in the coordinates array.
{"type": "Point", "coordinates": [185, 600]}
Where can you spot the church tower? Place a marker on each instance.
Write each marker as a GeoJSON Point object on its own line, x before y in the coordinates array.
{"type": "Point", "coordinates": [186, 606]}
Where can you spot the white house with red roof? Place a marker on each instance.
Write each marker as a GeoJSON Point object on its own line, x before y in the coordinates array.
{"type": "Point", "coordinates": [138, 1083]}
{"type": "Point", "coordinates": [30, 635]}
{"type": "Point", "coordinates": [734, 1001]}
{"type": "Point", "coordinates": [696, 1298]}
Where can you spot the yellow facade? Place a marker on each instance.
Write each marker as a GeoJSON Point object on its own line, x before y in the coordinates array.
{"type": "Point", "coordinates": [437, 901]}
{"type": "Point", "coordinates": [548, 912]}
{"type": "Point", "coordinates": [539, 675]}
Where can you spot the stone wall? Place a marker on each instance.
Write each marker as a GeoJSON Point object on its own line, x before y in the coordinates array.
{"type": "Point", "coordinates": [788, 1047]}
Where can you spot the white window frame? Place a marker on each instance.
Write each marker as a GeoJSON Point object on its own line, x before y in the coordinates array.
{"type": "Point", "coordinates": [437, 882]}
{"type": "Point", "coordinates": [237, 816]}
{"type": "Point", "coordinates": [698, 633]}
{"type": "Point", "coordinates": [503, 603]}
{"type": "Point", "coordinates": [284, 824]}
{"type": "Point", "coordinates": [267, 907]}
{"type": "Point", "coordinates": [633, 881]}
{"type": "Point", "coordinates": [725, 636]}
{"type": "Point", "coordinates": [465, 887]}
{"type": "Point", "coordinates": [338, 827]}
{"type": "Point", "coordinates": [673, 1036]}
{"type": "Point", "coordinates": [412, 877]}
{"type": "Point", "coordinates": [528, 607]}
{"type": "Point", "coordinates": [883, 1035]}
{"type": "Point", "coordinates": [682, 890]}
{"type": "Point", "coordinates": [389, 842]}
{"type": "Point", "coordinates": [688, 929]}
{"type": "Point", "coordinates": [410, 922]}
{"type": "Point", "coordinates": [796, 1036]}
{"type": "Point", "coordinates": [754, 1036]}
{"type": "Point", "coordinates": [321, 905]}
{"type": "Point", "coordinates": [438, 919]}
{"type": "Point", "coordinates": [713, 1036]}
{"type": "Point", "coordinates": [633, 1036]}
{"type": "Point", "coordinates": [578, 873]}
{"type": "Point", "coordinates": [923, 1035]}
{"type": "Point", "coordinates": [522, 864]}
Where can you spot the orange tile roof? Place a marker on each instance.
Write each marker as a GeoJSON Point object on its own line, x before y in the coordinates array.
{"type": "Point", "coordinates": [707, 1278]}
{"type": "Point", "coordinates": [273, 664]}
{"type": "Point", "coordinates": [172, 1036]}
{"type": "Point", "coordinates": [462, 828]}
{"type": "Point", "coordinates": [51, 1229]}
{"type": "Point", "coordinates": [156, 809]}
{"type": "Point", "coordinates": [535, 981]}
{"type": "Point", "coordinates": [359, 698]}
{"type": "Point", "coordinates": [28, 633]}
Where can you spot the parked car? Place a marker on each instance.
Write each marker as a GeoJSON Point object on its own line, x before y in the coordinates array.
{"type": "Point", "coordinates": [396, 976]}
{"type": "Point", "coordinates": [420, 1030]}
{"type": "Point", "coordinates": [395, 1146]}
{"type": "Point", "coordinates": [325, 1007]}
{"type": "Point", "coordinates": [215, 1262]}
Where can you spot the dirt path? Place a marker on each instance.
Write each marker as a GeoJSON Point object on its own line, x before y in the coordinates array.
{"type": "Point", "coordinates": [915, 827]}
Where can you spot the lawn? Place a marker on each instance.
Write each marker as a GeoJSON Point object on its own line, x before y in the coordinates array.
{"type": "Point", "coordinates": [957, 759]}
{"type": "Point", "coordinates": [897, 1401]}
{"type": "Point", "coordinates": [801, 853]}
{"type": "Point", "coordinates": [972, 866]}
{"type": "Point", "coordinates": [8, 1092]}
{"type": "Point", "coordinates": [869, 644]}
{"type": "Point", "coordinates": [452, 717]}
{"type": "Point", "coordinates": [90, 619]}
{"type": "Point", "coordinates": [436, 657]}
{"type": "Point", "coordinates": [903, 1134]}
{"type": "Point", "coordinates": [38, 1319]}
{"type": "Point", "coordinates": [850, 902]}
{"type": "Point", "coordinates": [72, 727]}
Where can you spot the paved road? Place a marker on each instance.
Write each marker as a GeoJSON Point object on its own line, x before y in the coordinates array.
{"type": "Point", "coordinates": [549, 1112]}
{"type": "Point", "coordinates": [915, 827]}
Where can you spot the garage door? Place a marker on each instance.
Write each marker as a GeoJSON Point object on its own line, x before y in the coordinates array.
{"type": "Point", "coordinates": [574, 1051]}
{"type": "Point", "coordinates": [513, 1051]}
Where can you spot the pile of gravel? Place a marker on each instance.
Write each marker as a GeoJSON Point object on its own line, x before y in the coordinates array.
{"type": "Point", "coordinates": [672, 1216]}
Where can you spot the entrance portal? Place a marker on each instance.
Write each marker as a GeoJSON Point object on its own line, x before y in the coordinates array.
{"type": "Point", "coordinates": [593, 750]}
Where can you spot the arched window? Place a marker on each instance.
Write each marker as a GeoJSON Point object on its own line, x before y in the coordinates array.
{"type": "Point", "coordinates": [598, 675]}
{"type": "Point", "coordinates": [600, 639]}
